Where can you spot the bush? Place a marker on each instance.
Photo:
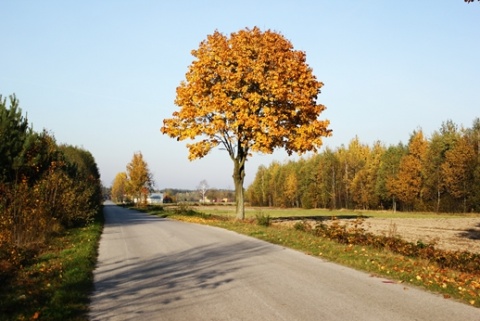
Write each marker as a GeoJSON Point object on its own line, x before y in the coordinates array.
{"type": "Point", "coordinates": [184, 209]}
{"type": "Point", "coordinates": [302, 226]}
{"type": "Point", "coordinates": [262, 219]}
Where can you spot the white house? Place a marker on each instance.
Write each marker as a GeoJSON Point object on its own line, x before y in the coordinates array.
{"type": "Point", "coordinates": [155, 198]}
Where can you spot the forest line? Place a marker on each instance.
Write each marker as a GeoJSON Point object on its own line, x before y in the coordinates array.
{"type": "Point", "coordinates": [440, 173]}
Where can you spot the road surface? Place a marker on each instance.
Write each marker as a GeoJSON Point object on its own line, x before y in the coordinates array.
{"type": "Point", "coordinates": [158, 269]}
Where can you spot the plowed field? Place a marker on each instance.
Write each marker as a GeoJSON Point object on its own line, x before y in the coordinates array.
{"type": "Point", "coordinates": [446, 233]}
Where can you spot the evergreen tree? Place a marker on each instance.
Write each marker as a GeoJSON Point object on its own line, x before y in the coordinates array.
{"type": "Point", "coordinates": [13, 133]}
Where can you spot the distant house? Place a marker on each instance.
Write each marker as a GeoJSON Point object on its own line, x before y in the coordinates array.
{"type": "Point", "coordinates": [155, 198]}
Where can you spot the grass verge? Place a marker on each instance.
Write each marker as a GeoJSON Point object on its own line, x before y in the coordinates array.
{"type": "Point", "coordinates": [377, 260]}
{"type": "Point", "coordinates": [55, 284]}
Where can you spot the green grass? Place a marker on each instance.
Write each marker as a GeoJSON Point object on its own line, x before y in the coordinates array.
{"type": "Point", "coordinates": [57, 283]}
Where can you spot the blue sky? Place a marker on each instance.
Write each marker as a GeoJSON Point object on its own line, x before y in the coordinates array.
{"type": "Point", "coordinates": [102, 74]}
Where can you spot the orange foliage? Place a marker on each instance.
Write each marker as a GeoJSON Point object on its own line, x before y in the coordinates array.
{"type": "Point", "coordinates": [250, 89]}
{"type": "Point", "coordinates": [139, 182]}
{"type": "Point", "coordinates": [250, 92]}
{"type": "Point", "coordinates": [459, 168]}
{"type": "Point", "coordinates": [406, 186]}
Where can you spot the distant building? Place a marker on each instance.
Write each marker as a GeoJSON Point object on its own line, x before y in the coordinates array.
{"type": "Point", "coordinates": [155, 198]}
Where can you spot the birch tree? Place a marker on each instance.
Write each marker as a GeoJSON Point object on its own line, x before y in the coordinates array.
{"type": "Point", "coordinates": [140, 180]}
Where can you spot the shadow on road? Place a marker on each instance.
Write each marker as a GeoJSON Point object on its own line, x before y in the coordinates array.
{"type": "Point", "coordinates": [156, 283]}
{"type": "Point", "coordinates": [125, 216]}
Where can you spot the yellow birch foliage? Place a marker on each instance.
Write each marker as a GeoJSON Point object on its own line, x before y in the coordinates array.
{"type": "Point", "coordinates": [139, 178]}
{"type": "Point", "coordinates": [119, 187]}
{"type": "Point", "coordinates": [290, 189]}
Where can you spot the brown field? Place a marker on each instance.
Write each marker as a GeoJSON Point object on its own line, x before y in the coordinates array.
{"type": "Point", "coordinates": [447, 233]}
{"type": "Point", "coordinates": [453, 234]}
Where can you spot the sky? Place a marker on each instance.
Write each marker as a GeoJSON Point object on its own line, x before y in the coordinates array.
{"type": "Point", "coordinates": [102, 75]}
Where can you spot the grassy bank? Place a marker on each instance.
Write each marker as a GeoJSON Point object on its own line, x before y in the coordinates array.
{"type": "Point", "coordinates": [422, 265]}
{"type": "Point", "coordinates": [56, 283]}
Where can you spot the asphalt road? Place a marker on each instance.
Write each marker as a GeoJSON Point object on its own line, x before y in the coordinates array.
{"type": "Point", "coordinates": [158, 269]}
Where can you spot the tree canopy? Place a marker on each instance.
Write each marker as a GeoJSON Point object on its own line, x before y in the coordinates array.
{"type": "Point", "coordinates": [440, 173]}
{"type": "Point", "coordinates": [13, 133]}
{"type": "Point", "coordinates": [140, 181]}
{"type": "Point", "coordinates": [248, 92]}
{"type": "Point", "coordinates": [119, 187]}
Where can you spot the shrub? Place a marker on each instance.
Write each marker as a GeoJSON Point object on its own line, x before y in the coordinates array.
{"type": "Point", "coordinates": [302, 226]}
{"type": "Point", "coordinates": [184, 209]}
{"type": "Point", "coordinates": [262, 219]}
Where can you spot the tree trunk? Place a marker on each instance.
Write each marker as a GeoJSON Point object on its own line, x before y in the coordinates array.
{"type": "Point", "coordinates": [333, 204]}
{"type": "Point", "coordinates": [238, 178]}
{"type": "Point", "coordinates": [438, 200]}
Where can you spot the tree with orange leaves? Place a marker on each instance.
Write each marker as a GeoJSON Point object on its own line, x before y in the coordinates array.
{"type": "Point", "coordinates": [459, 170]}
{"type": "Point", "coordinates": [406, 186]}
{"type": "Point", "coordinates": [250, 92]}
{"type": "Point", "coordinates": [140, 180]}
